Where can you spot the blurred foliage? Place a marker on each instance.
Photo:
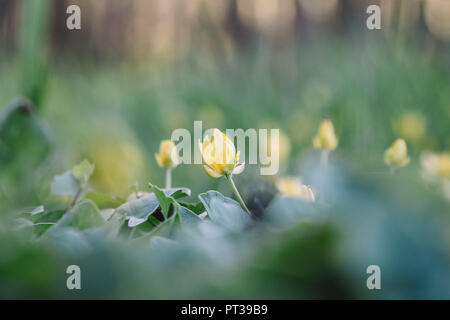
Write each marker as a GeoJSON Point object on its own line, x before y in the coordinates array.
{"type": "Point", "coordinates": [34, 24]}
{"type": "Point", "coordinates": [135, 240]}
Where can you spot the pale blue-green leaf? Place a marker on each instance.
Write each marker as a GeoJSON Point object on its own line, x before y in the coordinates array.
{"type": "Point", "coordinates": [285, 211]}
{"type": "Point", "coordinates": [224, 211]}
{"type": "Point", "coordinates": [107, 213]}
{"type": "Point", "coordinates": [32, 210]}
{"type": "Point", "coordinates": [64, 185]}
{"type": "Point", "coordinates": [188, 219]}
{"type": "Point", "coordinates": [82, 216]}
{"type": "Point", "coordinates": [138, 210]}
{"type": "Point", "coordinates": [67, 239]}
{"type": "Point", "coordinates": [177, 193]}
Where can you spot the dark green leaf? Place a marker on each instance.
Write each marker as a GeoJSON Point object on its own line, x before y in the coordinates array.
{"type": "Point", "coordinates": [196, 208]}
{"type": "Point", "coordinates": [164, 201]}
{"type": "Point", "coordinates": [177, 193]}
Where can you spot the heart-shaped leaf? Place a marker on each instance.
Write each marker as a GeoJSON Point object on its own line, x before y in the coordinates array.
{"type": "Point", "coordinates": [224, 211]}
{"type": "Point", "coordinates": [188, 219]}
{"type": "Point", "coordinates": [138, 210]}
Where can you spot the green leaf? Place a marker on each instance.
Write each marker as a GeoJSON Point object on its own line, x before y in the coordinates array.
{"type": "Point", "coordinates": [32, 211]}
{"type": "Point", "coordinates": [177, 193]}
{"type": "Point", "coordinates": [21, 223]}
{"type": "Point", "coordinates": [196, 208]}
{"type": "Point", "coordinates": [104, 201]}
{"type": "Point", "coordinates": [50, 217]}
{"type": "Point", "coordinates": [164, 229]}
{"type": "Point", "coordinates": [107, 213]}
{"type": "Point", "coordinates": [138, 210]}
{"type": "Point", "coordinates": [67, 239]}
{"type": "Point", "coordinates": [164, 201]}
{"type": "Point", "coordinates": [40, 228]}
{"type": "Point", "coordinates": [24, 139]}
{"type": "Point", "coordinates": [285, 211]}
{"type": "Point", "coordinates": [224, 211]}
{"type": "Point", "coordinates": [82, 216]}
{"type": "Point", "coordinates": [83, 171]}
{"type": "Point", "coordinates": [64, 185]}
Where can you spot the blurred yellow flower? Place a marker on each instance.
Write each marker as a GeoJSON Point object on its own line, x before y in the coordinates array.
{"type": "Point", "coordinates": [220, 155]}
{"type": "Point", "coordinates": [326, 138]}
{"type": "Point", "coordinates": [211, 116]}
{"type": "Point", "coordinates": [397, 154]}
{"type": "Point", "coordinates": [292, 186]}
{"type": "Point", "coordinates": [167, 156]}
{"type": "Point", "coordinates": [411, 125]}
{"type": "Point", "coordinates": [284, 144]}
{"type": "Point", "coordinates": [117, 164]}
{"type": "Point", "coordinates": [435, 165]}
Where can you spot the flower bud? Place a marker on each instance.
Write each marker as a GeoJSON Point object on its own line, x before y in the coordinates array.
{"type": "Point", "coordinates": [292, 186]}
{"type": "Point", "coordinates": [397, 154]}
{"type": "Point", "coordinates": [326, 138]}
{"type": "Point", "coordinates": [219, 155]}
{"type": "Point", "coordinates": [167, 156]}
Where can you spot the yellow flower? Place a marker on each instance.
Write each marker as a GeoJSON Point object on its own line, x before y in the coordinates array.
{"type": "Point", "coordinates": [436, 164]}
{"type": "Point", "coordinates": [292, 186]}
{"type": "Point", "coordinates": [118, 163]}
{"type": "Point", "coordinates": [397, 154]}
{"type": "Point", "coordinates": [411, 125]}
{"type": "Point", "coordinates": [326, 138]}
{"type": "Point", "coordinates": [219, 155]}
{"type": "Point", "coordinates": [284, 144]}
{"type": "Point", "coordinates": [167, 156]}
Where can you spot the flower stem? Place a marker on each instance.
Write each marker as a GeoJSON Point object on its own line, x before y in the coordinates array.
{"type": "Point", "coordinates": [324, 158]}
{"type": "Point", "coordinates": [392, 171]}
{"type": "Point", "coordinates": [236, 193]}
{"type": "Point", "coordinates": [168, 177]}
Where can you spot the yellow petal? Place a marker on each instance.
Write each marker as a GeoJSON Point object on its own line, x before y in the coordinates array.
{"type": "Point", "coordinates": [167, 156]}
{"type": "Point", "coordinates": [212, 173]}
{"type": "Point", "coordinates": [158, 160]}
{"type": "Point", "coordinates": [325, 138]}
{"type": "Point", "coordinates": [236, 159]}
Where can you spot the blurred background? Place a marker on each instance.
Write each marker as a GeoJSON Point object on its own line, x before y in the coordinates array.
{"type": "Point", "coordinates": [139, 69]}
